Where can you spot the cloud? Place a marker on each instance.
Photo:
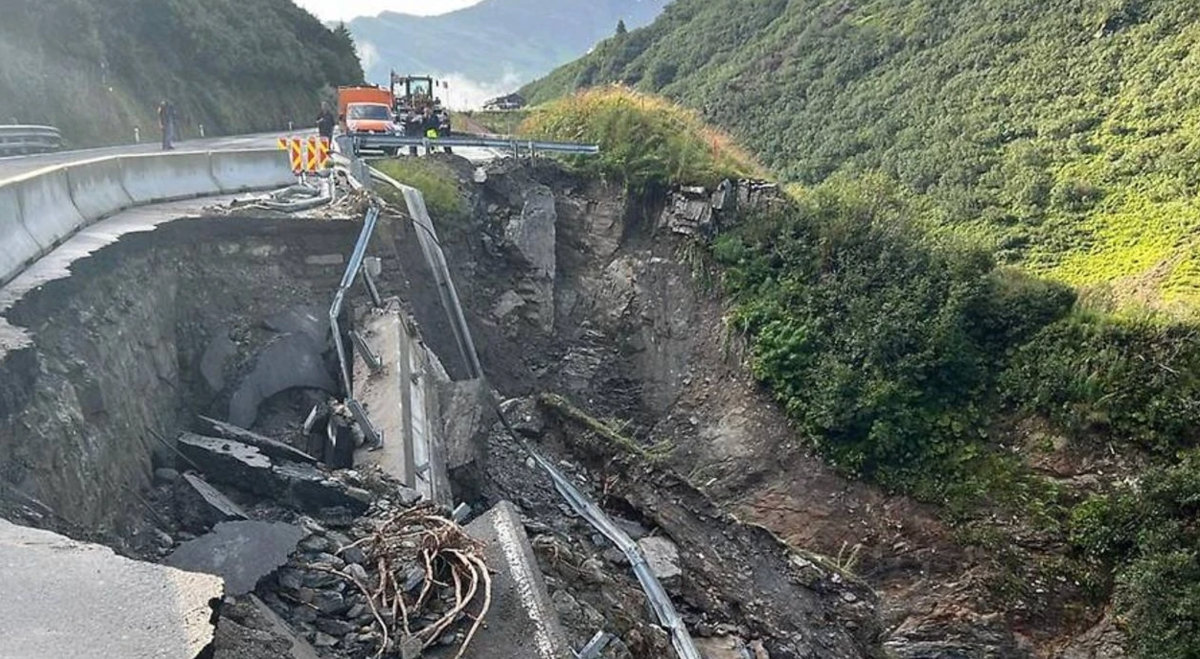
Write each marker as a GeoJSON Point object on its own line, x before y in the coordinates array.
{"type": "Point", "coordinates": [368, 54]}
{"type": "Point", "coordinates": [344, 10]}
{"type": "Point", "coordinates": [468, 94]}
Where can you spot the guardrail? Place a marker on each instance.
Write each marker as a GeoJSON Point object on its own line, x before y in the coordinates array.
{"type": "Point", "coordinates": [29, 139]}
{"type": "Point", "coordinates": [516, 147]}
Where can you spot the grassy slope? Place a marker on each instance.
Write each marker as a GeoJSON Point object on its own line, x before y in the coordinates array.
{"type": "Point", "coordinates": [96, 70]}
{"type": "Point", "coordinates": [1066, 136]}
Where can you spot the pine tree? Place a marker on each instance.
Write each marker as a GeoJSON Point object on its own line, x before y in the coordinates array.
{"type": "Point", "coordinates": [621, 29]}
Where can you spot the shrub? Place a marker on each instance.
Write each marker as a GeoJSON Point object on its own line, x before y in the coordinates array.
{"type": "Point", "coordinates": [1127, 379]}
{"type": "Point", "coordinates": [645, 141]}
{"type": "Point", "coordinates": [1149, 533]}
{"type": "Point", "coordinates": [879, 342]}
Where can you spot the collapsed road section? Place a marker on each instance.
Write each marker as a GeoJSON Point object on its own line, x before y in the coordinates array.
{"type": "Point", "coordinates": [176, 389]}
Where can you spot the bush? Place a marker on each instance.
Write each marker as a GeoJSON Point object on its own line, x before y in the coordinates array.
{"type": "Point", "coordinates": [1150, 535]}
{"type": "Point", "coordinates": [645, 141]}
{"type": "Point", "coordinates": [1129, 380]}
{"type": "Point", "coordinates": [877, 341]}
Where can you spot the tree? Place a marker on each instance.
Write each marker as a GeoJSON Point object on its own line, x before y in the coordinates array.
{"type": "Point", "coordinates": [621, 29]}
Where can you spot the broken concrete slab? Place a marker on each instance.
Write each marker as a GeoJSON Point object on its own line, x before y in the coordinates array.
{"type": "Point", "coordinates": [270, 447]}
{"type": "Point", "coordinates": [245, 467]}
{"type": "Point", "coordinates": [402, 402]}
{"type": "Point", "coordinates": [240, 552]}
{"type": "Point", "coordinates": [71, 599]}
{"type": "Point", "coordinates": [309, 488]}
{"type": "Point", "coordinates": [209, 505]}
{"type": "Point", "coordinates": [230, 462]}
{"type": "Point", "coordinates": [522, 621]}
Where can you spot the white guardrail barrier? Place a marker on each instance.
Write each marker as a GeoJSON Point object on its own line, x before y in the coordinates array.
{"type": "Point", "coordinates": [39, 210]}
{"type": "Point", "coordinates": [29, 139]}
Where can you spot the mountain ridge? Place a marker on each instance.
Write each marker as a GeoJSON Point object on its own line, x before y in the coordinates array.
{"type": "Point", "coordinates": [494, 46]}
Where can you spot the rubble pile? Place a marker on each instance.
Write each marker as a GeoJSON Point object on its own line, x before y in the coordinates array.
{"type": "Point", "coordinates": [349, 562]}
{"type": "Point", "coordinates": [397, 581]}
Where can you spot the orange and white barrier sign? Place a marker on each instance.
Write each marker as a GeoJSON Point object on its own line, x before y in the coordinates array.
{"type": "Point", "coordinates": [306, 155]}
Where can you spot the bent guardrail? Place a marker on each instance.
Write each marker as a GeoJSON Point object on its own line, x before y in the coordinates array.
{"type": "Point", "coordinates": [515, 146]}
{"type": "Point", "coordinates": [17, 140]}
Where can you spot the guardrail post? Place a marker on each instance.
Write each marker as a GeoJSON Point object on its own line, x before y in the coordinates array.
{"type": "Point", "coordinates": [137, 135]}
{"type": "Point", "coordinates": [201, 130]}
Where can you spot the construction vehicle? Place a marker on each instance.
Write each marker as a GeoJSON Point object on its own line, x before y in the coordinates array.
{"type": "Point", "coordinates": [412, 96]}
{"type": "Point", "coordinates": [366, 110]}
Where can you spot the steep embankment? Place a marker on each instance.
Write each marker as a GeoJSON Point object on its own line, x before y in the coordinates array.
{"type": "Point", "coordinates": [495, 45]}
{"type": "Point", "coordinates": [1057, 444]}
{"type": "Point", "coordinates": [1063, 135]}
{"type": "Point", "coordinates": [97, 70]}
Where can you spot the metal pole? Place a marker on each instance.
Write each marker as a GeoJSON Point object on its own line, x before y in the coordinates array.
{"type": "Point", "coordinates": [335, 310]}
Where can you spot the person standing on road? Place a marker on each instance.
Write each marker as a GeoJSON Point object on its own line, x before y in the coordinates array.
{"type": "Point", "coordinates": [325, 123]}
{"type": "Point", "coordinates": [168, 121]}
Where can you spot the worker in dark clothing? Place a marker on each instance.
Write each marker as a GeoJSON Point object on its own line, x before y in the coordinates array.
{"type": "Point", "coordinates": [168, 122]}
{"type": "Point", "coordinates": [431, 126]}
{"type": "Point", "coordinates": [325, 123]}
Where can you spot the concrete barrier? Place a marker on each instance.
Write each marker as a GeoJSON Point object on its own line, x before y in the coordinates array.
{"type": "Point", "coordinates": [251, 169]}
{"type": "Point", "coordinates": [43, 208]}
{"type": "Point", "coordinates": [47, 211]}
{"type": "Point", "coordinates": [164, 177]}
{"type": "Point", "coordinates": [97, 189]}
{"type": "Point", "coordinates": [17, 247]}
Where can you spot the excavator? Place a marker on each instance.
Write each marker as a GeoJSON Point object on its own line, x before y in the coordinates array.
{"type": "Point", "coordinates": [412, 95]}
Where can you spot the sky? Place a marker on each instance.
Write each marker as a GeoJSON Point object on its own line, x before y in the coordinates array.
{"type": "Point", "coordinates": [344, 10]}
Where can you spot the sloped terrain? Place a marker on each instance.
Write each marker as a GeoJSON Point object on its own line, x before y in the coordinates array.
{"type": "Point", "coordinates": [1058, 136]}
{"type": "Point", "coordinates": [98, 70]}
{"type": "Point", "coordinates": [495, 45]}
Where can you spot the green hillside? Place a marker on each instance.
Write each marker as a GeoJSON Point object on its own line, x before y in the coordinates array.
{"type": "Point", "coordinates": [98, 69]}
{"type": "Point", "coordinates": [952, 159]}
{"type": "Point", "coordinates": [1064, 135]}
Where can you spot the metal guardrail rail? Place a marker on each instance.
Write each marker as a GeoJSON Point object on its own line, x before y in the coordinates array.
{"type": "Point", "coordinates": [15, 140]}
{"type": "Point", "coordinates": [515, 146]}
{"type": "Point", "coordinates": [335, 309]}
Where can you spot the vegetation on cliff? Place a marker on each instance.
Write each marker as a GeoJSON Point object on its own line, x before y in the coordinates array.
{"type": "Point", "coordinates": [97, 70]}
{"type": "Point", "coordinates": [1064, 136]}
{"type": "Point", "coordinates": [908, 355]}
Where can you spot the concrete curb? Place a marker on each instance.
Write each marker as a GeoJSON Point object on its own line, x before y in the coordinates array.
{"type": "Point", "coordinates": [47, 211]}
